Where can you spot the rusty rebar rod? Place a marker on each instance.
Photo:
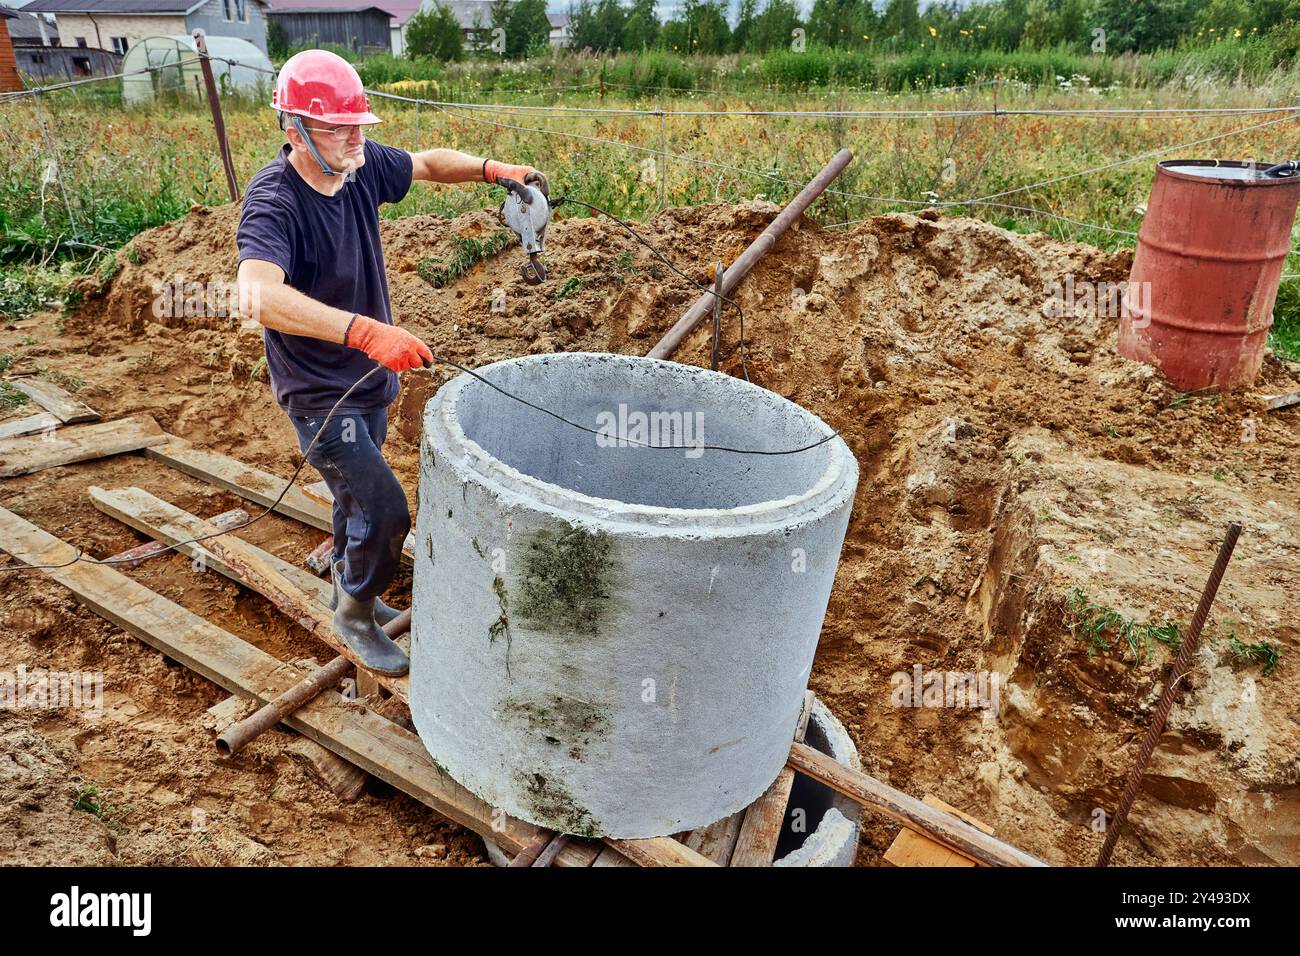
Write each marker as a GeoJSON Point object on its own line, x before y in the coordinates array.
{"type": "Point", "coordinates": [1182, 664]}
{"type": "Point", "coordinates": [238, 736]}
{"type": "Point", "coordinates": [753, 252]}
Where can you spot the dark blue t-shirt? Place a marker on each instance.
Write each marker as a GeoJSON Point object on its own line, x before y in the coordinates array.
{"type": "Point", "coordinates": [328, 247]}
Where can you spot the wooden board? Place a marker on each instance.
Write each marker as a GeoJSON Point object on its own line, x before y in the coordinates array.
{"type": "Point", "coordinates": [22, 456]}
{"type": "Point", "coordinates": [717, 841]}
{"type": "Point", "coordinates": [153, 516]}
{"type": "Point", "coordinates": [364, 738]}
{"type": "Point", "coordinates": [608, 856]}
{"type": "Point", "coordinates": [913, 848]}
{"type": "Point", "coordinates": [874, 794]}
{"type": "Point", "coordinates": [244, 480]}
{"type": "Point", "coordinates": [134, 557]}
{"type": "Point", "coordinates": [56, 401]}
{"type": "Point", "coordinates": [659, 851]}
{"type": "Point", "coordinates": [40, 422]}
{"type": "Point", "coordinates": [1275, 402]}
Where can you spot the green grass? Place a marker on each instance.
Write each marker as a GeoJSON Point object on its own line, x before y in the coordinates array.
{"type": "Point", "coordinates": [467, 251]}
{"type": "Point", "coordinates": [90, 800]}
{"type": "Point", "coordinates": [26, 289]}
{"type": "Point", "coordinates": [1103, 628]}
{"type": "Point", "coordinates": [1284, 337]}
{"type": "Point", "coordinates": [1260, 652]}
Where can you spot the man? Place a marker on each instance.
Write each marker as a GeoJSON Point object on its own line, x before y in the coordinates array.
{"type": "Point", "coordinates": [311, 270]}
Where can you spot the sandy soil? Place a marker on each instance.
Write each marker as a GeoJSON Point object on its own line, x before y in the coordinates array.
{"type": "Point", "coordinates": [1007, 458]}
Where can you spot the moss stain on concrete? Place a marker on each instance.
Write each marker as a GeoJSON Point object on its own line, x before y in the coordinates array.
{"type": "Point", "coordinates": [553, 805]}
{"type": "Point", "coordinates": [562, 721]}
{"type": "Point", "coordinates": [566, 582]}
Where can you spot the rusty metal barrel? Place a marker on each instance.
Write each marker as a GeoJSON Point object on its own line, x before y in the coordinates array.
{"type": "Point", "coordinates": [1209, 259]}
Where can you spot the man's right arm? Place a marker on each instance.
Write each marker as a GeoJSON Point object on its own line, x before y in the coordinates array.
{"type": "Point", "coordinates": [266, 297]}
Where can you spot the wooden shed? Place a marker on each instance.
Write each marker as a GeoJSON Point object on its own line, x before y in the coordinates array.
{"type": "Point", "coordinates": [362, 29]}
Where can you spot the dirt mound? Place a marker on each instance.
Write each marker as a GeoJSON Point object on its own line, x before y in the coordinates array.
{"type": "Point", "coordinates": [1010, 460]}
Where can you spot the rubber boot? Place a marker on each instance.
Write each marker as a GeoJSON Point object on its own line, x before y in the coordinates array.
{"type": "Point", "coordinates": [354, 622]}
{"type": "Point", "coordinates": [383, 613]}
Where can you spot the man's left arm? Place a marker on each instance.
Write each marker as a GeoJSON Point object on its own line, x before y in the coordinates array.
{"type": "Point", "coordinates": [453, 166]}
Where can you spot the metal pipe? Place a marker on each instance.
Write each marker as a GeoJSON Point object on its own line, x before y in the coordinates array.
{"type": "Point", "coordinates": [1182, 663]}
{"type": "Point", "coordinates": [214, 101]}
{"type": "Point", "coordinates": [755, 251]}
{"type": "Point", "coordinates": [240, 735]}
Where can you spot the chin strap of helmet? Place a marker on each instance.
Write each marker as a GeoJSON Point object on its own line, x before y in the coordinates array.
{"type": "Point", "coordinates": [311, 148]}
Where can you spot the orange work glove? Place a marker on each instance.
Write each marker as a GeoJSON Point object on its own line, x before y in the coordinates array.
{"type": "Point", "coordinates": [388, 345]}
{"type": "Point", "coordinates": [492, 171]}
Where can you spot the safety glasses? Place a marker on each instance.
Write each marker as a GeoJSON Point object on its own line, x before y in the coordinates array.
{"type": "Point", "coordinates": [340, 134]}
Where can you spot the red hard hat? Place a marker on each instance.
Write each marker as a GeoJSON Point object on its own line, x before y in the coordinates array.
{"type": "Point", "coordinates": [323, 86]}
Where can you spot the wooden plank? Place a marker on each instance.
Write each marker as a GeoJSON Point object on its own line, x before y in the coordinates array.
{"type": "Point", "coordinates": [40, 422]}
{"type": "Point", "coordinates": [244, 480]}
{"type": "Point", "coordinates": [56, 401]}
{"type": "Point", "coordinates": [153, 516]}
{"type": "Point", "coordinates": [717, 841]}
{"type": "Point", "coordinates": [608, 856]}
{"type": "Point", "coordinates": [319, 491]}
{"type": "Point", "coordinates": [866, 790]}
{"type": "Point", "coordinates": [363, 737]}
{"type": "Point", "coordinates": [764, 818]}
{"type": "Point", "coordinates": [914, 849]}
{"type": "Point", "coordinates": [229, 711]}
{"type": "Point", "coordinates": [134, 557]}
{"type": "Point", "coordinates": [345, 780]}
{"type": "Point", "coordinates": [22, 456]}
{"type": "Point", "coordinates": [367, 739]}
{"type": "Point", "coordinates": [1275, 402]}
{"type": "Point", "coordinates": [659, 851]}
{"type": "Point", "coordinates": [256, 485]}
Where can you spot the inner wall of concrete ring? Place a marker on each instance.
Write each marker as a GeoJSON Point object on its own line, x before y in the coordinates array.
{"type": "Point", "coordinates": [608, 639]}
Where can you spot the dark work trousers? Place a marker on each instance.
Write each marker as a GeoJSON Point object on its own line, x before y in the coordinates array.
{"type": "Point", "coordinates": [371, 518]}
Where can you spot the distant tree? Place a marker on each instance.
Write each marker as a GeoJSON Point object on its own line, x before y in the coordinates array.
{"type": "Point", "coordinates": [774, 26]}
{"type": "Point", "coordinates": [528, 28]}
{"type": "Point", "coordinates": [434, 31]}
{"type": "Point", "coordinates": [746, 19]}
{"type": "Point", "coordinates": [902, 21]}
{"type": "Point", "coordinates": [1143, 25]}
{"type": "Point", "coordinates": [610, 18]}
{"type": "Point", "coordinates": [707, 29]}
{"type": "Point", "coordinates": [277, 41]}
{"type": "Point", "coordinates": [833, 22]}
{"type": "Point", "coordinates": [641, 29]}
{"type": "Point", "coordinates": [582, 26]}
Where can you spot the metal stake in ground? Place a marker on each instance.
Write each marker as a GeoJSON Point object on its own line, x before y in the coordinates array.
{"type": "Point", "coordinates": [717, 312]}
{"type": "Point", "coordinates": [1182, 663]}
{"type": "Point", "coordinates": [214, 101]}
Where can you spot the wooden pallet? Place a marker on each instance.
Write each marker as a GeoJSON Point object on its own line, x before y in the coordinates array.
{"type": "Point", "coordinates": [371, 741]}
